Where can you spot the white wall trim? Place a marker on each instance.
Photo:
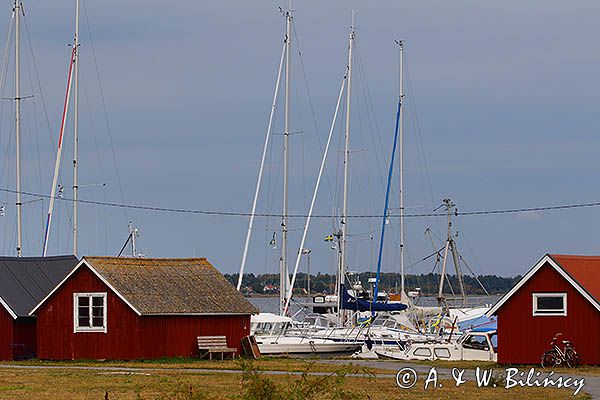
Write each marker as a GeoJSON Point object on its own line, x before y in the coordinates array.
{"type": "Point", "coordinates": [84, 262]}
{"type": "Point", "coordinates": [86, 329]}
{"type": "Point", "coordinates": [10, 311]}
{"type": "Point", "coordinates": [546, 259]}
{"type": "Point", "coordinates": [538, 313]}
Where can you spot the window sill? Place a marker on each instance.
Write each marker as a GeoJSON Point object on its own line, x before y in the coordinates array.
{"type": "Point", "coordinates": [90, 330]}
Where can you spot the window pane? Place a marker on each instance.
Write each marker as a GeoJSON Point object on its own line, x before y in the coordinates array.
{"type": "Point", "coordinates": [98, 321]}
{"type": "Point", "coordinates": [476, 343]}
{"type": "Point", "coordinates": [84, 301]}
{"type": "Point", "coordinates": [84, 322]}
{"type": "Point", "coordinates": [423, 352]}
{"type": "Point", "coordinates": [554, 303]}
{"type": "Point", "coordinates": [98, 301]}
{"type": "Point", "coordinates": [442, 353]}
{"type": "Point", "coordinates": [83, 312]}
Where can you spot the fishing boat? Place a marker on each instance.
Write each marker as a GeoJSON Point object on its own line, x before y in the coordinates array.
{"type": "Point", "coordinates": [471, 346]}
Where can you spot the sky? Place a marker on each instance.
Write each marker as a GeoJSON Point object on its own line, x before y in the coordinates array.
{"type": "Point", "coordinates": [501, 113]}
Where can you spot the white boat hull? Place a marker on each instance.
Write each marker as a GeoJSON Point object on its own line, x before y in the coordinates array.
{"type": "Point", "coordinates": [302, 345]}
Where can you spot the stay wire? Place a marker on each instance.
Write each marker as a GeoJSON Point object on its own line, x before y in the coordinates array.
{"type": "Point", "coordinates": [108, 127]}
{"type": "Point", "coordinates": [246, 214]}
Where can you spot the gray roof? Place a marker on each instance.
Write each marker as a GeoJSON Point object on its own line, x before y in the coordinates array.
{"type": "Point", "coordinates": [171, 286]}
{"type": "Point", "coordinates": [26, 281]}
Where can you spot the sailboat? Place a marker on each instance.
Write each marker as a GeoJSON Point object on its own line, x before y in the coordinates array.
{"type": "Point", "coordinates": [282, 338]}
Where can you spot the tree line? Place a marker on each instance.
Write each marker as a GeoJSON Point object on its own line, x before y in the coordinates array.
{"type": "Point", "coordinates": [390, 282]}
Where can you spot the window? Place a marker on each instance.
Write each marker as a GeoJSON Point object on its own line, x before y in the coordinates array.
{"type": "Point", "coordinates": [422, 352]}
{"type": "Point", "coordinates": [441, 352]}
{"type": "Point", "coordinates": [477, 342]}
{"type": "Point", "coordinates": [546, 304]}
{"type": "Point", "coordinates": [89, 312]}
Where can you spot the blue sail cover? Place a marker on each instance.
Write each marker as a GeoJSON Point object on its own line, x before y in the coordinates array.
{"type": "Point", "coordinates": [352, 303]}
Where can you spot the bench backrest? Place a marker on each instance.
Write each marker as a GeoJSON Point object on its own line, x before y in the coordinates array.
{"type": "Point", "coordinates": [209, 342]}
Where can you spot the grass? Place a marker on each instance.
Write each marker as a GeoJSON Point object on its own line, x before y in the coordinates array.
{"type": "Point", "coordinates": [265, 363]}
{"type": "Point", "coordinates": [170, 384]}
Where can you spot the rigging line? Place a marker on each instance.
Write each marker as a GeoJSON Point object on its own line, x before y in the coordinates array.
{"type": "Point", "coordinates": [310, 102]}
{"type": "Point", "coordinates": [424, 259]}
{"type": "Point", "coordinates": [473, 273]}
{"type": "Point", "coordinates": [379, 150]}
{"type": "Point", "coordinates": [3, 85]}
{"type": "Point", "coordinates": [413, 107]}
{"type": "Point", "coordinates": [246, 214]}
{"type": "Point", "coordinates": [108, 128]}
{"type": "Point", "coordinates": [380, 153]}
{"type": "Point", "coordinates": [5, 57]}
{"type": "Point", "coordinates": [39, 84]}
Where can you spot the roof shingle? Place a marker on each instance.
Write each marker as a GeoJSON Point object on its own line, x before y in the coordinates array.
{"type": "Point", "coordinates": [171, 286]}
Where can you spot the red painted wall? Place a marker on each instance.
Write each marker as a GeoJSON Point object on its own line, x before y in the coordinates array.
{"type": "Point", "coordinates": [6, 334]}
{"type": "Point", "coordinates": [523, 338]}
{"type": "Point", "coordinates": [128, 336]}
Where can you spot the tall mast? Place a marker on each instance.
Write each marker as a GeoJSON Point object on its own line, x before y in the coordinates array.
{"type": "Point", "coordinates": [341, 273]}
{"type": "Point", "coordinates": [76, 126]}
{"type": "Point", "coordinates": [17, 10]}
{"type": "Point", "coordinates": [401, 162]}
{"type": "Point", "coordinates": [283, 267]}
{"type": "Point", "coordinates": [344, 228]}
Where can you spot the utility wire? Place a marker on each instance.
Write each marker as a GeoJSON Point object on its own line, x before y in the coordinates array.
{"type": "Point", "coordinates": [246, 214]}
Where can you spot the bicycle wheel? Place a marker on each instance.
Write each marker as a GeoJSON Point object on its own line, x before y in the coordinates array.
{"type": "Point", "coordinates": [550, 359]}
{"type": "Point", "coordinates": [571, 357]}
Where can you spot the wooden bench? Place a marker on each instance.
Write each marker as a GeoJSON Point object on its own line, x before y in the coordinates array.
{"type": "Point", "coordinates": [214, 344]}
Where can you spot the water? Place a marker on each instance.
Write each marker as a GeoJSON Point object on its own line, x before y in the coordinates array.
{"type": "Point", "coordinates": [271, 304]}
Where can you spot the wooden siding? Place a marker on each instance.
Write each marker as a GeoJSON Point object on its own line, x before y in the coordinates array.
{"type": "Point", "coordinates": [6, 334]}
{"type": "Point", "coordinates": [128, 335]}
{"type": "Point", "coordinates": [523, 338]}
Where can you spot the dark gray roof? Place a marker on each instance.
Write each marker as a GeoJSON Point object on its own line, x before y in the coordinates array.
{"type": "Point", "coordinates": [26, 281]}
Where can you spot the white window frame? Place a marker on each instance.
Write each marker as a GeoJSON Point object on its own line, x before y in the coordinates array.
{"type": "Point", "coordinates": [79, 329]}
{"type": "Point", "coordinates": [541, 313]}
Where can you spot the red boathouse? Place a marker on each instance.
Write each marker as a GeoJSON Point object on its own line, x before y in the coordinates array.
{"type": "Point", "coordinates": [24, 282]}
{"type": "Point", "coordinates": [560, 294]}
{"type": "Point", "coordinates": [137, 308]}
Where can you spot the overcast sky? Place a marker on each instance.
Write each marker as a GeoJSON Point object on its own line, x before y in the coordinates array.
{"type": "Point", "coordinates": [505, 95]}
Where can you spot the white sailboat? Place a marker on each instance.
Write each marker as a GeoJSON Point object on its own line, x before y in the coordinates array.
{"type": "Point", "coordinates": [282, 338]}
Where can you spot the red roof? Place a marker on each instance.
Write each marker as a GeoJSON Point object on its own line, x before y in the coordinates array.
{"type": "Point", "coordinates": [583, 269]}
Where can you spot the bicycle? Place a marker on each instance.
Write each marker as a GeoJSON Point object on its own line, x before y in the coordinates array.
{"type": "Point", "coordinates": [555, 357]}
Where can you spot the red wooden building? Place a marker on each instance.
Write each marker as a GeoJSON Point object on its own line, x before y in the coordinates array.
{"type": "Point", "coordinates": [134, 308]}
{"type": "Point", "coordinates": [24, 282]}
{"type": "Point", "coordinates": [560, 294]}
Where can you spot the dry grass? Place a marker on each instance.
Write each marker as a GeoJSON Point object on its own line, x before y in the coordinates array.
{"type": "Point", "coordinates": [265, 364]}
{"type": "Point", "coordinates": [52, 384]}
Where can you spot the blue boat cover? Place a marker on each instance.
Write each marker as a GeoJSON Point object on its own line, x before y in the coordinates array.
{"type": "Point", "coordinates": [352, 303]}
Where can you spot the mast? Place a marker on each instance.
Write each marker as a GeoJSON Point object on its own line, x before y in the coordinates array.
{"type": "Point", "coordinates": [401, 162]}
{"type": "Point", "coordinates": [451, 247]}
{"type": "Point", "coordinates": [59, 153]}
{"type": "Point", "coordinates": [344, 228]}
{"type": "Point", "coordinates": [76, 126]}
{"type": "Point", "coordinates": [283, 267]}
{"type": "Point", "coordinates": [19, 204]}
